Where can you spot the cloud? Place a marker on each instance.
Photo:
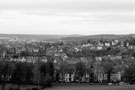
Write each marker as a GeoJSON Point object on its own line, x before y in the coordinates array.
{"type": "Point", "coordinates": [69, 5]}
{"type": "Point", "coordinates": [67, 16]}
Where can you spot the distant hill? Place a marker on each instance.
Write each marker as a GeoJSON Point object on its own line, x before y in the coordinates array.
{"type": "Point", "coordinates": [36, 37]}
{"type": "Point", "coordinates": [74, 37]}
{"type": "Point", "coordinates": [98, 37]}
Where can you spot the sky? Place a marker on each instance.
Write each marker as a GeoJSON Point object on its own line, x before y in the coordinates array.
{"type": "Point", "coordinates": [64, 17]}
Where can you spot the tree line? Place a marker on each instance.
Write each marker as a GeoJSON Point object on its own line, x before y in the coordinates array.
{"type": "Point", "coordinates": [23, 73]}
{"type": "Point", "coordinates": [42, 73]}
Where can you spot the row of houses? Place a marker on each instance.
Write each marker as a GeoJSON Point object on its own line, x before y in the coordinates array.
{"type": "Point", "coordinates": [71, 76]}
{"type": "Point", "coordinates": [98, 77]}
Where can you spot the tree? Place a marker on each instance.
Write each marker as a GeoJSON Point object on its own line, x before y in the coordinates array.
{"type": "Point", "coordinates": [129, 74]}
{"type": "Point", "coordinates": [22, 73]}
{"type": "Point", "coordinates": [36, 73]}
{"type": "Point", "coordinates": [50, 68]}
{"type": "Point", "coordinates": [43, 73]}
{"type": "Point", "coordinates": [108, 67]}
{"type": "Point", "coordinates": [6, 71]}
{"type": "Point", "coordinates": [80, 69]}
{"type": "Point", "coordinates": [91, 73]}
{"type": "Point", "coordinates": [28, 70]}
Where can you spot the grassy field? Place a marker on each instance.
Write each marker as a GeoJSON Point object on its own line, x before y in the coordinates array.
{"type": "Point", "coordinates": [80, 87]}
{"type": "Point", "coordinates": [89, 87]}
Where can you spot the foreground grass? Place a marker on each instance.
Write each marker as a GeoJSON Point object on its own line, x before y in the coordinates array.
{"type": "Point", "coordinates": [89, 87]}
{"type": "Point", "coordinates": [79, 87]}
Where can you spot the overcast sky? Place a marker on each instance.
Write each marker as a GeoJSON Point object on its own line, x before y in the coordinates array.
{"type": "Point", "coordinates": [67, 16]}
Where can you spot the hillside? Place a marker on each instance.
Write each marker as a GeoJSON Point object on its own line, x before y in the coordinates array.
{"type": "Point", "coordinates": [36, 37]}
{"type": "Point", "coordinates": [74, 37]}
{"type": "Point", "coordinates": [98, 37]}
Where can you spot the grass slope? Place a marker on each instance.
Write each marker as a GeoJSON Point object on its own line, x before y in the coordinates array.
{"type": "Point", "coordinates": [88, 87]}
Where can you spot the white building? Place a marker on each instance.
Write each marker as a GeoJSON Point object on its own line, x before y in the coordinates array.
{"type": "Point", "coordinates": [107, 44]}
{"type": "Point", "coordinates": [69, 77]}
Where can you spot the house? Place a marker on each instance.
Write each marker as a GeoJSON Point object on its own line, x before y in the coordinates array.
{"type": "Point", "coordinates": [101, 77]}
{"type": "Point", "coordinates": [100, 44]}
{"type": "Point", "coordinates": [116, 77]}
{"type": "Point", "coordinates": [77, 49]}
{"type": "Point", "coordinates": [107, 44]}
{"type": "Point", "coordinates": [99, 47]}
{"type": "Point", "coordinates": [115, 57]}
{"type": "Point", "coordinates": [69, 77]}
{"type": "Point", "coordinates": [86, 76]}
{"type": "Point", "coordinates": [115, 42]}
{"type": "Point", "coordinates": [98, 58]}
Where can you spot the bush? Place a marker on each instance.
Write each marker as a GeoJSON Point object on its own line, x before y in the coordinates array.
{"type": "Point", "coordinates": [35, 88]}
{"type": "Point", "coordinates": [11, 88]}
{"type": "Point", "coordinates": [14, 89]}
{"type": "Point", "coordinates": [46, 81]}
